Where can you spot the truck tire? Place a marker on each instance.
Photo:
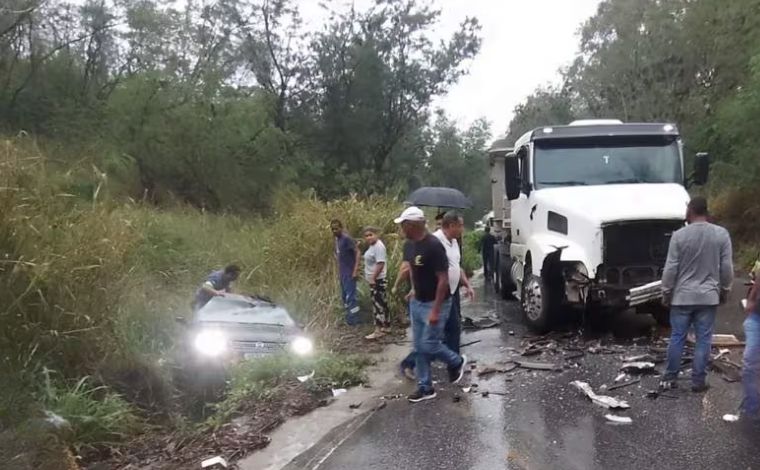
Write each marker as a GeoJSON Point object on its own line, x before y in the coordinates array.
{"type": "Point", "coordinates": [506, 285]}
{"type": "Point", "coordinates": [538, 303]}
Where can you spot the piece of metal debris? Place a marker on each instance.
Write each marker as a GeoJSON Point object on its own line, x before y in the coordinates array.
{"type": "Point", "coordinates": [640, 367]}
{"type": "Point", "coordinates": [466, 389]}
{"type": "Point", "coordinates": [601, 400]}
{"type": "Point", "coordinates": [655, 394]}
{"type": "Point", "coordinates": [470, 343]}
{"type": "Point", "coordinates": [539, 365]}
{"type": "Point", "coordinates": [618, 419]}
{"type": "Point", "coordinates": [624, 384]}
{"type": "Point", "coordinates": [719, 340]}
{"type": "Point", "coordinates": [621, 377]}
{"type": "Point", "coordinates": [640, 358]}
{"type": "Point", "coordinates": [488, 370]}
{"type": "Point", "coordinates": [214, 463]}
{"type": "Point", "coordinates": [336, 392]}
{"type": "Point", "coordinates": [731, 418]}
{"type": "Point", "coordinates": [304, 378]}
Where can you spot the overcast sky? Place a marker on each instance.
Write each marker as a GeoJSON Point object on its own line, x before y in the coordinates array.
{"type": "Point", "coordinates": [525, 42]}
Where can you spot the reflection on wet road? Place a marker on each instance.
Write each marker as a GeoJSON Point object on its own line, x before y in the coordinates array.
{"type": "Point", "coordinates": [537, 421]}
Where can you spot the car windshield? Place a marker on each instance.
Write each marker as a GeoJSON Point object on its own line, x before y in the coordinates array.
{"type": "Point", "coordinates": [241, 309]}
{"type": "Point", "coordinates": [586, 163]}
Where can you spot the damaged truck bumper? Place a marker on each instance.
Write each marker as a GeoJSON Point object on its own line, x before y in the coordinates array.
{"type": "Point", "coordinates": [644, 294]}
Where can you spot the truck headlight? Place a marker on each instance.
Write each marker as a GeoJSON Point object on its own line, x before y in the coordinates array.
{"type": "Point", "coordinates": [302, 346]}
{"type": "Point", "coordinates": [211, 343]}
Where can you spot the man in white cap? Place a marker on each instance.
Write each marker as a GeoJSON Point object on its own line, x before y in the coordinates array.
{"type": "Point", "coordinates": [431, 305]}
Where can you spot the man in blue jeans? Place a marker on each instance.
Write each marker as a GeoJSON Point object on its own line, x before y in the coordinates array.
{"type": "Point", "coordinates": [431, 305]}
{"type": "Point", "coordinates": [697, 278]}
{"type": "Point", "coordinates": [751, 365]}
{"type": "Point", "coordinates": [347, 257]}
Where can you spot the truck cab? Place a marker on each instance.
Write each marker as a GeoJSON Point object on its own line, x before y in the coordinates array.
{"type": "Point", "coordinates": [593, 207]}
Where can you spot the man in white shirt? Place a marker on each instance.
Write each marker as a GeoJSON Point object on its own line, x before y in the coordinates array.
{"type": "Point", "coordinates": [452, 227]}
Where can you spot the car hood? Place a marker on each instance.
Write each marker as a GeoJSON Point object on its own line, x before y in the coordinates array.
{"type": "Point", "coordinates": [604, 204]}
{"type": "Point", "coordinates": [244, 311]}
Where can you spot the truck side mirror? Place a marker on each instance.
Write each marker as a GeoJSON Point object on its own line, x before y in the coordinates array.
{"type": "Point", "coordinates": [701, 168]}
{"type": "Point", "coordinates": [512, 181]}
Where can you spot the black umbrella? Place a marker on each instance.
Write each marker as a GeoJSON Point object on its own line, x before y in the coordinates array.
{"type": "Point", "coordinates": [439, 197]}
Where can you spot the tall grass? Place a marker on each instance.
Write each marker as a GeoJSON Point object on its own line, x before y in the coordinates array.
{"type": "Point", "coordinates": [90, 285]}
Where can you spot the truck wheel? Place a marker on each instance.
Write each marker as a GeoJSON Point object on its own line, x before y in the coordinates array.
{"type": "Point", "coordinates": [506, 285]}
{"type": "Point", "coordinates": [537, 303]}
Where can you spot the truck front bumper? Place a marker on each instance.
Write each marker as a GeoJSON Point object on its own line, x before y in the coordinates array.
{"type": "Point", "coordinates": [644, 294]}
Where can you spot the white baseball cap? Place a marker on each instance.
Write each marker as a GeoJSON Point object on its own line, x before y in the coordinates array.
{"type": "Point", "coordinates": [411, 214]}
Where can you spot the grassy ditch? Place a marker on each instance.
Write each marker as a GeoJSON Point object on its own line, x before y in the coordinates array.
{"type": "Point", "coordinates": [90, 285]}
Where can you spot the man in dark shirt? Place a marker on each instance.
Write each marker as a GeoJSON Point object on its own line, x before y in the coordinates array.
{"type": "Point", "coordinates": [216, 284]}
{"type": "Point", "coordinates": [431, 304]}
{"type": "Point", "coordinates": [347, 257]}
{"type": "Point", "coordinates": [486, 248]}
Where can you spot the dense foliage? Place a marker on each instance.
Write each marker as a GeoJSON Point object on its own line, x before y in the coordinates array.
{"type": "Point", "coordinates": [218, 104]}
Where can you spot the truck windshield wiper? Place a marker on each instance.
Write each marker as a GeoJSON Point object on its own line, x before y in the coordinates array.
{"type": "Point", "coordinates": [625, 181]}
{"type": "Point", "coordinates": [564, 183]}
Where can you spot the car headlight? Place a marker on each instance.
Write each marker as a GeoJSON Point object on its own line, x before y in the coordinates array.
{"type": "Point", "coordinates": [302, 346]}
{"type": "Point", "coordinates": [211, 343]}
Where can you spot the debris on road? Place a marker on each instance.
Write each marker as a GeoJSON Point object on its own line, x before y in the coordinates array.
{"type": "Point", "coordinates": [392, 397]}
{"type": "Point", "coordinates": [730, 418]}
{"type": "Point", "coordinates": [642, 358]}
{"type": "Point", "coordinates": [470, 343]}
{"type": "Point", "coordinates": [655, 394]}
{"type": "Point", "coordinates": [721, 353]}
{"type": "Point", "coordinates": [624, 384]}
{"type": "Point", "coordinates": [539, 365]}
{"type": "Point", "coordinates": [336, 392]}
{"type": "Point", "coordinates": [355, 406]}
{"type": "Point", "coordinates": [618, 419]}
{"type": "Point", "coordinates": [638, 367]}
{"type": "Point", "coordinates": [730, 372]}
{"type": "Point", "coordinates": [621, 376]}
{"type": "Point", "coordinates": [719, 340]}
{"type": "Point", "coordinates": [601, 400]}
{"type": "Point", "coordinates": [214, 463]}
{"type": "Point", "coordinates": [493, 369]}
{"type": "Point", "coordinates": [480, 323]}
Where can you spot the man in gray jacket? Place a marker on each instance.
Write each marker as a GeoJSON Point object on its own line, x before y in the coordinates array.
{"type": "Point", "coordinates": [697, 278]}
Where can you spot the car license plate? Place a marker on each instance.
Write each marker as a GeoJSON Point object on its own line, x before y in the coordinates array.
{"type": "Point", "coordinates": [253, 355]}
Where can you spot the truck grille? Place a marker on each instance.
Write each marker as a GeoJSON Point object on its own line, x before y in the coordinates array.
{"type": "Point", "coordinates": [635, 252]}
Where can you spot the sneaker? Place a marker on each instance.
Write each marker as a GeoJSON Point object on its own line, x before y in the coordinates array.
{"type": "Point", "coordinates": [701, 388]}
{"type": "Point", "coordinates": [668, 385]}
{"type": "Point", "coordinates": [460, 370]}
{"type": "Point", "coordinates": [419, 396]}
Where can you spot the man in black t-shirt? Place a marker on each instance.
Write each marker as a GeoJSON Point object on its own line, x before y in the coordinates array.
{"type": "Point", "coordinates": [431, 304]}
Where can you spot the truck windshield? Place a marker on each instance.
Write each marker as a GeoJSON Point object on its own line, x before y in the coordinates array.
{"type": "Point", "coordinates": [586, 163]}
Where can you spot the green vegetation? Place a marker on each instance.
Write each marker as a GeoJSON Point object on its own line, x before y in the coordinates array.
{"type": "Point", "coordinates": [695, 63]}
{"type": "Point", "coordinates": [259, 380]}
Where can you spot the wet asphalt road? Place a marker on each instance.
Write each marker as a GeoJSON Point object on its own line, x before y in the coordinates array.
{"type": "Point", "coordinates": [543, 423]}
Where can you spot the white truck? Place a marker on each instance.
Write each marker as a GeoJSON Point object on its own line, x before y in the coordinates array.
{"type": "Point", "coordinates": [593, 205]}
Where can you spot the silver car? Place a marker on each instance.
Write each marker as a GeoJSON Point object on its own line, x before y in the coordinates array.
{"type": "Point", "coordinates": [237, 327]}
